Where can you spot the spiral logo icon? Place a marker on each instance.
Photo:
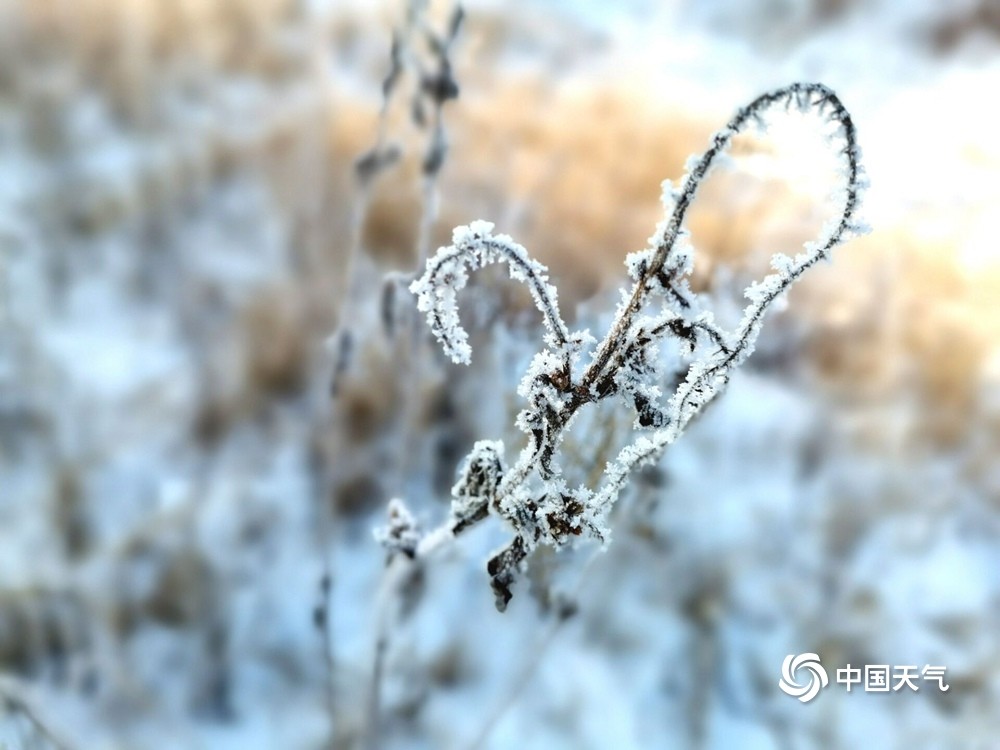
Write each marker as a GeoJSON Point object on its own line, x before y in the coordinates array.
{"type": "Point", "coordinates": [806, 691]}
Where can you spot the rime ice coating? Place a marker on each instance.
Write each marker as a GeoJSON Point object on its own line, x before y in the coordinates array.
{"type": "Point", "coordinates": [474, 247]}
{"type": "Point", "coordinates": [402, 533]}
{"type": "Point", "coordinates": [532, 496]}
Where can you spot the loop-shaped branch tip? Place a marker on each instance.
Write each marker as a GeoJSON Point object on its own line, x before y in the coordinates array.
{"type": "Point", "coordinates": [708, 374]}
{"type": "Point", "coordinates": [474, 247]}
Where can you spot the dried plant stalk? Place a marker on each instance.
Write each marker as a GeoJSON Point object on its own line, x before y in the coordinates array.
{"type": "Point", "coordinates": [532, 496]}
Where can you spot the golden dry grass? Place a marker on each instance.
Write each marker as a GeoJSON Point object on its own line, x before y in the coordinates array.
{"type": "Point", "coordinates": [571, 171]}
{"type": "Point", "coordinates": [575, 177]}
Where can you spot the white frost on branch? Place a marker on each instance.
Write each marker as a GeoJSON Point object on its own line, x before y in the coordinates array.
{"type": "Point", "coordinates": [474, 247]}
{"type": "Point", "coordinates": [402, 533]}
{"type": "Point", "coordinates": [532, 496]}
{"type": "Point", "coordinates": [710, 370]}
{"type": "Point", "coordinates": [478, 482]}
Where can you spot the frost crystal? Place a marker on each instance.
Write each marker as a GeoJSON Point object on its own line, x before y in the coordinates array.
{"type": "Point", "coordinates": [478, 481]}
{"type": "Point", "coordinates": [532, 496]}
{"type": "Point", "coordinates": [401, 533]}
{"type": "Point", "coordinates": [474, 247]}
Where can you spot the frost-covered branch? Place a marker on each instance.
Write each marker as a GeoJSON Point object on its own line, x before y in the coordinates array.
{"type": "Point", "coordinates": [707, 375]}
{"type": "Point", "coordinates": [669, 259]}
{"type": "Point", "coordinates": [532, 495]}
{"type": "Point", "coordinates": [474, 247]}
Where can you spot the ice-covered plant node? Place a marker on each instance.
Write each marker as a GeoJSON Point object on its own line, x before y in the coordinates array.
{"type": "Point", "coordinates": [401, 534]}
{"type": "Point", "coordinates": [532, 495]}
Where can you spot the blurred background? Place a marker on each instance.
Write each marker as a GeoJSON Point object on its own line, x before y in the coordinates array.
{"type": "Point", "coordinates": [186, 557]}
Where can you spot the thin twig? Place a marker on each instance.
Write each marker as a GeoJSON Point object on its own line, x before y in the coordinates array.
{"type": "Point", "coordinates": [530, 666]}
{"type": "Point", "coordinates": [17, 704]}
